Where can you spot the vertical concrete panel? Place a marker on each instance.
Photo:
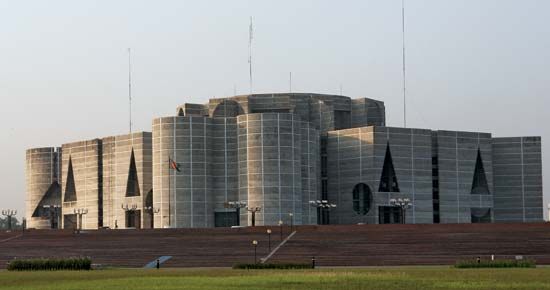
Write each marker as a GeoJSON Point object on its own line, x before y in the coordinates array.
{"type": "Point", "coordinates": [42, 171]}
{"type": "Point", "coordinates": [517, 164]}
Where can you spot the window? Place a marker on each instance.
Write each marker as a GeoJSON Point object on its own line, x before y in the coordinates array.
{"type": "Point", "coordinates": [388, 180]}
{"type": "Point", "coordinates": [362, 199]}
{"type": "Point", "coordinates": [132, 184]}
{"type": "Point", "coordinates": [70, 190]}
{"type": "Point", "coordinates": [479, 184]}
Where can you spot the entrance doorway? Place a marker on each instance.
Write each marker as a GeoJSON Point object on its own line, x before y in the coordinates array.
{"type": "Point", "coordinates": [389, 215]}
{"type": "Point", "coordinates": [133, 218]}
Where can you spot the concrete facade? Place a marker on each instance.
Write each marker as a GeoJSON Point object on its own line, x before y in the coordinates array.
{"type": "Point", "coordinates": [43, 178]}
{"type": "Point", "coordinates": [518, 179]}
{"type": "Point", "coordinates": [278, 152]}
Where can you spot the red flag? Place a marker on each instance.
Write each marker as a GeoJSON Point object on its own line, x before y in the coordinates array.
{"type": "Point", "coordinates": [174, 165]}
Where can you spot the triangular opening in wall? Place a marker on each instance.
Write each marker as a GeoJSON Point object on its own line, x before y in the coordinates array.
{"type": "Point", "coordinates": [388, 180]}
{"type": "Point", "coordinates": [52, 197]}
{"type": "Point", "coordinates": [479, 184]}
{"type": "Point", "coordinates": [132, 185]}
{"type": "Point", "coordinates": [70, 189]}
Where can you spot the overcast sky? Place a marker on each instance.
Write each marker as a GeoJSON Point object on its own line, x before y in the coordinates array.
{"type": "Point", "coordinates": [472, 65]}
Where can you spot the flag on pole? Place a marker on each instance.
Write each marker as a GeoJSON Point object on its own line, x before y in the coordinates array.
{"type": "Point", "coordinates": [174, 165]}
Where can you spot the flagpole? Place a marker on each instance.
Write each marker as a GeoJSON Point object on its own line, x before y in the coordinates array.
{"type": "Point", "coordinates": [169, 193]}
{"type": "Point", "coordinates": [250, 31]}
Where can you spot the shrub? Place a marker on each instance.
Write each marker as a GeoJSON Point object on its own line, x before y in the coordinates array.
{"type": "Point", "coordinates": [496, 264]}
{"type": "Point", "coordinates": [50, 264]}
{"type": "Point", "coordinates": [272, 266]}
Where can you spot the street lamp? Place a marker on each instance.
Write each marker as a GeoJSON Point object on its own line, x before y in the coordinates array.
{"type": "Point", "coordinates": [237, 205]}
{"type": "Point", "coordinates": [255, 243]}
{"type": "Point", "coordinates": [291, 222]}
{"type": "Point", "coordinates": [322, 206]}
{"type": "Point", "coordinates": [269, 239]}
{"type": "Point", "coordinates": [9, 213]}
{"type": "Point", "coordinates": [281, 228]}
{"type": "Point", "coordinates": [152, 211]}
{"type": "Point", "coordinates": [403, 204]}
{"type": "Point", "coordinates": [53, 214]}
{"type": "Point", "coordinates": [549, 212]}
{"type": "Point", "coordinates": [79, 212]}
{"type": "Point", "coordinates": [254, 210]}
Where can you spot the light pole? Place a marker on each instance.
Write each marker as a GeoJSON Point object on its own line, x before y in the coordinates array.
{"type": "Point", "coordinates": [281, 229]}
{"type": "Point", "coordinates": [255, 243]}
{"type": "Point", "coordinates": [254, 210]}
{"type": "Point", "coordinates": [53, 210]}
{"type": "Point", "coordinates": [269, 239]}
{"type": "Point", "coordinates": [291, 222]}
{"type": "Point", "coordinates": [322, 206]}
{"type": "Point", "coordinates": [9, 213]}
{"type": "Point", "coordinates": [79, 212]}
{"type": "Point", "coordinates": [152, 211]}
{"type": "Point", "coordinates": [403, 204]}
{"type": "Point", "coordinates": [237, 205]}
{"type": "Point", "coordinates": [549, 212]}
{"type": "Point", "coordinates": [132, 209]}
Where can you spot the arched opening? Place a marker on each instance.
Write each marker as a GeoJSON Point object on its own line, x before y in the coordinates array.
{"type": "Point", "coordinates": [362, 199]}
{"type": "Point", "coordinates": [227, 108]}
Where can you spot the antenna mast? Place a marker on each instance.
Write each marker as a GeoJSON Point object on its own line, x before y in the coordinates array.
{"type": "Point", "coordinates": [130, 88]}
{"type": "Point", "coordinates": [250, 37]}
{"type": "Point", "coordinates": [290, 83]}
{"type": "Point", "coordinates": [404, 74]}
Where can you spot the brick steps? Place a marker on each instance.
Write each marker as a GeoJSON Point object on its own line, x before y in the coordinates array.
{"type": "Point", "coordinates": [344, 245]}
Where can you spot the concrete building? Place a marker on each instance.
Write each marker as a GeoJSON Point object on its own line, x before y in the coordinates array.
{"type": "Point", "coordinates": [275, 153]}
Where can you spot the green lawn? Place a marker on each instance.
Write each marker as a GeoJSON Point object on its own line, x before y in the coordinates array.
{"type": "Point", "coordinates": [370, 278]}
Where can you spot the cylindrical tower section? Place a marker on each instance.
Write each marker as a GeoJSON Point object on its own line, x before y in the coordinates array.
{"type": "Point", "coordinates": [43, 187]}
{"type": "Point", "coordinates": [181, 175]}
{"type": "Point", "coordinates": [311, 175]}
{"type": "Point", "coordinates": [270, 167]}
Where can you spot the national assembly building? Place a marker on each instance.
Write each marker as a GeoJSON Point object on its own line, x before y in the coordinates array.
{"type": "Point", "coordinates": [265, 159]}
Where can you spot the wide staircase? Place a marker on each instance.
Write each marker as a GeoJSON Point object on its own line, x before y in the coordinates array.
{"type": "Point", "coordinates": [370, 245]}
{"type": "Point", "coordinates": [345, 245]}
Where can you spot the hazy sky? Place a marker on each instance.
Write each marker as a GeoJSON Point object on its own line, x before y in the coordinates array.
{"type": "Point", "coordinates": [473, 65]}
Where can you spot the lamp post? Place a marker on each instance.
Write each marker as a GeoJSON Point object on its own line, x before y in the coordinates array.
{"type": "Point", "coordinates": [269, 239]}
{"type": "Point", "coordinates": [403, 204]}
{"type": "Point", "coordinates": [152, 211]}
{"type": "Point", "coordinates": [9, 213]}
{"type": "Point", "coordinates": [254, 210]}
{"type": "Point", "coordinates": [132, 209]}
{"type": "Point", "coordinates": [549, 212]}
{"type": "Point", "coordinates": [79, 212]}
{"type": "Point", "coordinates": [237, 205]}
{"type": "Point", "coordinates": [53, 214]}
{"type": "Point", "coordinates": [322, 206]}
{"type": "Point", "coordinates": [255, 243]}
{"type": "Point", "coordinates": [281, 229]}
{"type": "Point", "coordinates": [291, 215]}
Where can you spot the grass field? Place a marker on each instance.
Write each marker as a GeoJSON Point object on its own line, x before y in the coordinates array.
{"type": "Point", "coordinates": [370, 278]}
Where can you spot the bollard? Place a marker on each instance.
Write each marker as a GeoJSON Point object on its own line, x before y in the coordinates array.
{"type": "Point", "coordinates": [312, 262]}
{"type": "Point", "coordinates": [158, 263]}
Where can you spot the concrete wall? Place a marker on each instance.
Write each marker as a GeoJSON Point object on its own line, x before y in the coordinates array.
{"type": "Point", "coordinates": [224, 162]}
{"type": "Point", "coordinates": [86, 161]}
{"type": "Point", "coordinates": [117, 152]}
{"type": "Point", "coordinates": [43, 178]}
{"type": "Point", "coordinates": [357, 156]}
{"type": "Point", "coordinates": [270, 166]}
{"type": "Point", "coordinates": [457, 154]}
{"type": "Point", "coordinates": [518, 179]}
{"type": "Point", "coordinates": [184, 198]}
